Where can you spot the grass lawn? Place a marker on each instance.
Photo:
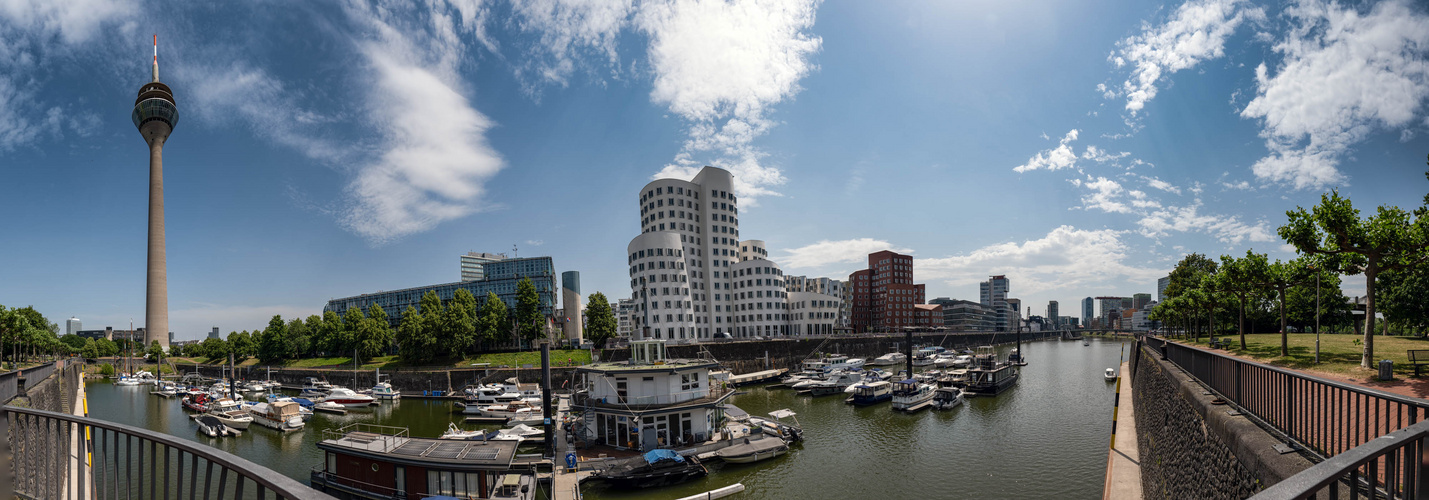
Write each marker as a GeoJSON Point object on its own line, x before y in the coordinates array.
{"type": "Point", "coordinates": [1339, 353]}
{"type": "Point", "coordinates": [559, 357]}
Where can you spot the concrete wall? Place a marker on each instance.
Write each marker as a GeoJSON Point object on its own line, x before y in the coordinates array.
{"type": "Point", "coordinates": [1191, 448]}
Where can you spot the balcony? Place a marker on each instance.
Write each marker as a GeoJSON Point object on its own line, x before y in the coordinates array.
{"type": "Point", "coordinates": [660, 402]}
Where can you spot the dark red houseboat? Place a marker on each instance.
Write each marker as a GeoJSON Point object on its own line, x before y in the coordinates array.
{"type": "Point", "coordinates": [380, 462]}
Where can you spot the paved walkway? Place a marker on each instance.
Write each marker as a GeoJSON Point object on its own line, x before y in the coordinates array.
{"type": "Point", "coordinates": [1403, 386]}
{"type": "Point", "coordinates": [79, 453]}
{"type": "Point", "coordinates": [1123, 467]}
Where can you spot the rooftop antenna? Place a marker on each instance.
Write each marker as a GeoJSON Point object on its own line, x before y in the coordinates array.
{"type": "Point", "coordinates": [514, 251]}
{"type": "Point", "coordinates": [156, 57]}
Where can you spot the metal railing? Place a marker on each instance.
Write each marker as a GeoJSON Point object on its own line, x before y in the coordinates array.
{"type": "Point", "coordinates": [57, 455]}
{"type": "Point", "coordinates": [9, 386]}
{"type": "Point", "coordinates": [1357, 472]}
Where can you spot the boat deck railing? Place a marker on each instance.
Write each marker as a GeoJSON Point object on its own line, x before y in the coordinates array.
{"type": "Point", "coordinates": [381, 437]}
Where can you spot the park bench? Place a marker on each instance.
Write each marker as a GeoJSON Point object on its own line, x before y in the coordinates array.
{"type": "Point", "coordinates": [1418, 358]}
{"type": "Point", "coordinates": [1218, 343]}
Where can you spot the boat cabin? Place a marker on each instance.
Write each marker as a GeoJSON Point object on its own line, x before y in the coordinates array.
{"type": "Point", "coordinates": [650, 401]}
{"type": "Point", "coordinates": [380, 462]}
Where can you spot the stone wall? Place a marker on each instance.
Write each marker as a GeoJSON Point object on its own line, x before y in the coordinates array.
{"type": "Point", "coordinates": [1191, 448]}
{"type": "Point", "coordinates": [55, 393]}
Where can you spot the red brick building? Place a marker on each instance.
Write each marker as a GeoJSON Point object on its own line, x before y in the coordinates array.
{"type": "Point", "coordinates": [884, 295]}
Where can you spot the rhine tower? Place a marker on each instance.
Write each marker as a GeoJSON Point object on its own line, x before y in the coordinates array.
{"type": "Point", "coordinates": [155, 114]}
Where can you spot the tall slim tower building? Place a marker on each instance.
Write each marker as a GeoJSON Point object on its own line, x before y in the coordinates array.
{"type": "Point", "coordinates": [155, 115]}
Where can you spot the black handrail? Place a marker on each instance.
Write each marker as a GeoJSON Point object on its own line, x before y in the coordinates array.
{"type": "Point", "coordinates": [1354, 469]}
{"type": "Point", "coordinates": [43, 458]}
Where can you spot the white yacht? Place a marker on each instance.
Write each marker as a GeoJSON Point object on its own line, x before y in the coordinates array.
{"type": "Point", "coordinates": [835, 384]}
{"type": "Point", "coordinates": [832, 364]}
{"type": "Point", "coordinates": [947, 398]}
{"type": "Point", "coordinates": [912, 395]}
{"type": "Point", "coordinates": [346, 397]}
{"type": "Point", "coordinates": [892, 358]}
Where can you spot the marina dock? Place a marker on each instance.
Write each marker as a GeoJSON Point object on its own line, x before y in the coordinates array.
{"type": "Point", "coordinates": [758, 377]}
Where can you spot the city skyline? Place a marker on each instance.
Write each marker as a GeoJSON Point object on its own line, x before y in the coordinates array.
{"type": "Point", "coordinates": [1078, 150]}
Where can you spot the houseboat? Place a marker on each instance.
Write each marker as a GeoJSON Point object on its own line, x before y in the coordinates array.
{"type": "Point", "coordinates": [649, 401]}
{"type": "Point", "coordinates": [868, 393]}
{"type": "Point", "coordinates": [912, 395]}
{"type": "Point", "coordinates": [283, 415]}
{"type": "Point", "coordinates": [363, 461]}
{"type": "Point", "coordinates": [988, 376]}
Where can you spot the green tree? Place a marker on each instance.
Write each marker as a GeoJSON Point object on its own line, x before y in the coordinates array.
{"type": "Point", "coordinates": [1388, 240]}
{"type": "Point", "coordinates": [1188, 273]}
{"type": "Point", "coordinates": [414, 342]}
{"type": "Point", "coordinates": [240, 344]}
{"type": "Point", "coordinates": [600, 323]}
{"type": "Point", "coordinates": [432, 313]}
{"type": "Point", "coordinates": [106, 348]}
{"type": "Point", "coordinates": [313, 325]}
{"type": "Point", "coordinates": [375, 339]}
{"type": "Point", "coordinates": [491, 324]}
{"type": "Point", "coordinates": [1242, 278]}
{"type": "Point", "coordinates": [75, 342]}
{"type": "Point", "coordinates": [90, 351]}
{"type": "Point", "coordinates": [154, 352]}
{"type": "Point", "coordinates": [215, 348]}
{"type": "Point", "coordinates": [298, 339]}
{"type": "Point", "coordinates": [530, 324]}
{"type": "Point", "coordinates": [458, 333]}
{"type": "Point", "coordinates": [273, 342]}
{"type": "Point", "coordinates": [330, 333]}
{"type": "Point", "coordinates": [347, 335]}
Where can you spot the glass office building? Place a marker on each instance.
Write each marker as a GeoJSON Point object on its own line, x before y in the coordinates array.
{"type": "Point", "coordinates": [500, 277]}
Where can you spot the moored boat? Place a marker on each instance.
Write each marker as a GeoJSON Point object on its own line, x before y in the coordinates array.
{"type": "Point", "coordinates": [1110, 374]}
{"type": "Point", "coordinates": [658, 468]}
{"type": "Point", "coordinates": [752, 450]}
{"type": "Point", "coordinates": [213, 427]}
{"type": "Point", "coordinates": [912, 395]}
{"type": "Point", "coordinates": [282, 415]}
{"type": "Point", "coordinates": [867, 393]}
{"type": "Point", "coordinates": [947, 398]}
{"type": "Point", "coordinates": [346, 397]}
{"type": "Point", "coordinates": [890, 359]}
{"type": "Point", "coordinates": [988, 376]}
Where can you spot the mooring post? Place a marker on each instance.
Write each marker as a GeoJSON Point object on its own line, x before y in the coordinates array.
{"type": "Point", "coordinates": [548, 422]}
{"type": "Point", "coordinates": [908, 350]}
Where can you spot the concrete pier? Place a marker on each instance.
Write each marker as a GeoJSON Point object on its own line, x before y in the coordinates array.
{"type": "Point", "coordinates": [1123, 466]}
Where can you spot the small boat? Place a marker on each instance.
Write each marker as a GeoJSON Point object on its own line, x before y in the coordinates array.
{"type": "Point", "coordinates": [868, 393]}
{"type": "Point", "coordinates": [282, 415]}
{"type": "Point", "coordinates": [346, 397]}
{"type": "Point", "coordinates": [314, 388]}
{"type": "Point", "coordinates": [213, 427]}
{"type": "Point", "coordinates": [659, 468]}
{"type": "Point", "coordinates": [791, 433]}
{"type": "Point", "coordinates": [748, 451]}
{"type": "Point", "coordinates": [165, 389]}
{"type": "Point", "coordinates": [892, 358]}
{"type": "Point", "coordinates": [521, 432]}
{"type": "Point", "coordinates": [455, 433]}
{"type": "Point", "coordinates": [254, 386]}
{"type": "Point", "coordinates": [912, 395]}
{"type": "Point", "coordinates": [520, 410]}
{"type": "Point", "coordinates": [835, 384]}
{"type": "Point", "coordinates": [1086, 342]}
{"type": "Point", "coordinates": [1110, 374]}
{"type": "Point", "coordinates": [384, 391]}
{"type": "Point", "coordinates": [236, 417]}
{"type": "Point", "coordinates": [198, 402]}
{"type": "Point", "coordinates": [514, 487]}
{"type": "Point", "coordinates": [988, 376]}
{"type": "Point", "coordinates": [329, 407]}
{"type": "Point", "coordinates": [126, 381]}
{"type": "Point", "coordinates": [947, 398]}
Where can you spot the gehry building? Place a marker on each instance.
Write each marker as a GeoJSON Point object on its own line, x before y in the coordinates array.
{"type": "Point", "coordinates": [691, 277]}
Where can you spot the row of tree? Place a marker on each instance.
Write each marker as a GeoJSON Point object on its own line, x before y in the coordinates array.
{"type": "Point", "coordinates": [1389, 249]}
{"type": "Point", "coordinates": [26, 334]}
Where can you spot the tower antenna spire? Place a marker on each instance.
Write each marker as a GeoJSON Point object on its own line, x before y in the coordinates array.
{"type": "Point", "coordinates": [156, 57]}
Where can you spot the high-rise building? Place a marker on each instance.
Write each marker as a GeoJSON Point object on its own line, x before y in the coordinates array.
{"type": "Point", "coordinates": [572, 324]}
{"type": "Point", "coordinates": [1139, 301]}
{"type": "Point", "coordinates": [1087, 312]}
{"type": "Point", "coordinates": [155, 115]}
{"type": "Point", "coordinates": [1161, 284]}
{"type": "Point", "coordinates": [884, 294]}
{"type": "Point", "coordinates": [993, 294]}
{"type": "Point", "coordinates": [965, 315]}
{"type": "Point", "coordinates": [1107, 305]}
{"type": "Point", "coordinates": [214, 334]}
{"type": "Point", "coordinates": [500, 277]}
{"type": "Point", "coordinates": [1052, 315]}
{"type": "Point", "coordinates": [73, 326]}
{"type": "Point", "coordinates": [1014, 313]}
{"type": "Point", "coordinates": [472, 262]}
{"type": "Point", "coordinates": [625, 317]}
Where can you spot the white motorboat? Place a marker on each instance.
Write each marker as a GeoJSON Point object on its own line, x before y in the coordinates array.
{"type": "Point", "coordinates": [1110, 374]}
{"type": "Point", "coordinates": [835, 383]}
{"type": "Point", "coordinates": [236, 418]}
{"type": "Point", "coordinates": [867, 393]}
{"type": "Point", "coordinates": [753, 450]}
{"type": "Point", "coordinates": [520, 432]}
{"type": "Point", "coordinates": [890, 359]}
{"type": "Point", "coordinates": [912, 395]}
{"type": "Point", "coordinates": [126, 381]}
{"type": "Point", "coordinates": [213, 427]}
{"type": "Point", "coordinates": [144, 377]}
{"type": "Point", "coordinates": [314, 388]}
{"type": "Point", "coordinates": [947, 398]}
{"type": "Point", "coordinates": [789, 432]}
{"type": "Point", "coordinates": [832, 363]}
{"type": "Point", "coordinates": [165, 389]}
{"type": "Point", "coordinates": [255, 386]}
{"type": "Point", "coordinates": [384, 391]}
{"type": "Point", "coordinates": [455, 433]}
{"type": "Point", "coordinates": [329, 407]}
{"type": "Point", "coordinates": [521, 410]}
{"type": "Point", "coordinates": [283, 415]}
{"type": "Point", "coordinates": [346, 397]}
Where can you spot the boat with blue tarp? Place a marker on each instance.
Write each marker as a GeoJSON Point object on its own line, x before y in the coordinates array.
{"type": "Point", "coordinates": [656, 468]}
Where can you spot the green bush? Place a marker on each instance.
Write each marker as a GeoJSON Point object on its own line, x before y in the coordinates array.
{"type": "Point", "coordinates": [106, 370]}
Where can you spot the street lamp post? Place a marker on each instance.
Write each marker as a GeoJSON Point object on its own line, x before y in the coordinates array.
{"type": "Point", "coordinates": [1317, 316]}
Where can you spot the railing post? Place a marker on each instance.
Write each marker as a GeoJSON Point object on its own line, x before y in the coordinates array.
{"type": "Point", "coordinates": [7, 475]}
{"type": "Point", "coordinates": [1421, 475]}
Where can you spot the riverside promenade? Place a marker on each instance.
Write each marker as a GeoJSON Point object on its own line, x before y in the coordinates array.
{"type": "Point", "coordinates": [1123, 467]}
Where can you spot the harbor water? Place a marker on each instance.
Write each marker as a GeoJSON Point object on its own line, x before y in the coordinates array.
{"type": "Point", "coordinates": [1046, 437]}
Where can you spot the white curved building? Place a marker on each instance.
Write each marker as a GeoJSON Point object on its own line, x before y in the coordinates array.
{"type": "Point", "coordinates": [760, 302]}
{"type": "Point", "coordinates": [698, 221]}
{"type": "Point", "coordinates": [812, 313]}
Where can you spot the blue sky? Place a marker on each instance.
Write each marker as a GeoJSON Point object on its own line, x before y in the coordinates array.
{"type": "Point", "coordinates": [327, 149]}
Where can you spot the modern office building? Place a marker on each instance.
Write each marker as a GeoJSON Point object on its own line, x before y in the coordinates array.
{"type": "Point", "coordinates": [1106, 305]}
{"type": "Point", "coordinates": [572, 324]}
{"type": "Point", "coordinates": [760, 302]}
{"type": "Point", "coordinates": [1088, 313]}
{"type": "Point", "coordinates": [625, 317]}
{"type": "Point", "coordinates": [213, 334]}
{"type": "Point", "coordinates": [1069, 322]}
{"type": "Point", "coordinates": [884, 294]}
{"type": "Point", "coordinates": [1161, 284]}
{"type": "Point", "coordinates": [110, 333]}
{"type": "Point", "coordinates": [1053, 318]}
{"type": "Point", "coordinates": [993, 295]}
{"type": "Point", "coordinates": [813, 313]}
{"type": "Point", "coordinates": [472, 262]}
{"type": "Point", "coordinates": [73, 326]}
{"type": "Point", "coordinates": [1014, 314]}
{"type": "Point", "coordinates": [965, 315]}
{"type": "Point", "coordinates": [500, 277]}
{"type": "Point", "coordinates": [155, 114]}
{"type": "Point", "coordinates": [1139, 301]}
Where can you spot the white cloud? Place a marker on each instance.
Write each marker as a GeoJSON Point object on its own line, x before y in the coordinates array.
{"type": "Point", "coordinates": [1344, 75]}
{"type": "Point", "coordinates": [1240, 186]}
{"type": "Point", "coordinates": [1056, 158]}
{"type": "Point", "coordinates": [1195, 32]}
{"type": "Point", "coordinates": [72, 21]}
{"type": "Point", "coordinates": [1162, 185]}
{"type": "Point", "coordinates": [1066, 258]}
{"type": "Point", "coordinates": [568, 29]}
{"type": "Point", "coordinates": [1104, 195]}
{"type": "Point", "coordinates": [721, 65]}
{"type": "Point", "coordinates": [1227, 229]}
{"type": "Point", "coordinates": [827, 252]}
{"type": "Point", "coordinates": [535, 243]}
{"type": "Point", "coordinates": [269, 107]}
{"type": "Point", "coordinates": [434, 158]}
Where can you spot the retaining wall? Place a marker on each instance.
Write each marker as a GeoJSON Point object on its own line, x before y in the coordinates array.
{"type": "Point", "coordinates": [1192, 448]}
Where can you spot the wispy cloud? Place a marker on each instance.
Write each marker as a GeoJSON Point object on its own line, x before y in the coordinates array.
{"type": "Point", "coordinates": [827, 252]}
{"type": "Point", "coordinates": [1160, 184]}
{"type": "Point", "coordinates": [1227, 229]}
{"type": "Point", "coordinates": [721, 65]}
{"type": "Point", "coordinates": [568, 31]}
{"type": "Point", "coordinates": [1056, 158]}
{"type": "Point", "coordinates": [434, 157]}
{"type": "Point", "coordinates": [1344, 75]}
{"type": "Point", "coordinates": [1066, 258]}
{"type": "Point", "coordinates": [1195, 32]}
{"type": "Point", "coordinates": [268, 106]}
